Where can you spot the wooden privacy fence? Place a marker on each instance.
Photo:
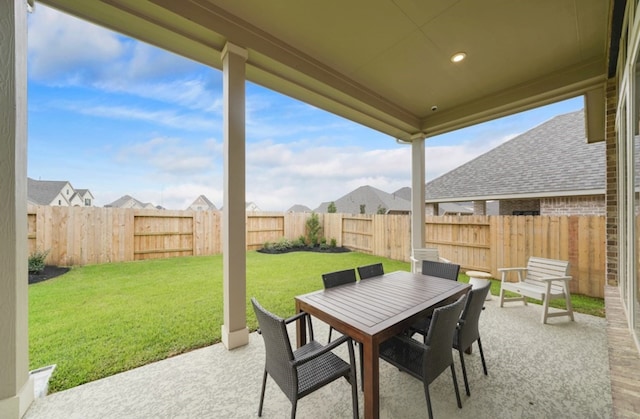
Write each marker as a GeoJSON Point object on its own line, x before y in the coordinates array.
{"type": "Point", "coordinates": [93, 235]}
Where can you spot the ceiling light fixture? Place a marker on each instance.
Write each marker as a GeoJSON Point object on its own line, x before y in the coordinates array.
{"type": "Point", "coordinates": [458, 56]}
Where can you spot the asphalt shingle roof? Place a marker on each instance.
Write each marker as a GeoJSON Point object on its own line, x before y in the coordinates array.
{"type": "Point", "coordinates": [42, 192]}
{"type": "Point", "coordinates": [552, 157]}
{"type": "Point", "coordinates": [123, 200]}
{"type": "Point", "coordinates": [371, 197]}
{"type": "Point", "coordinates": [299, 208]}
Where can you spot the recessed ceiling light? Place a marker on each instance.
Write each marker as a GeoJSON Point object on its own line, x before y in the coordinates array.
{"type": "Point", "coordinates": [458, 56]}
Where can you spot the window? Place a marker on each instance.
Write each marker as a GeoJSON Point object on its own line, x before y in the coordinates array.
{"type": "Point", "coordinates": [59, 202]}
{"type": "Point", "coordinates": [87, 202]}
{"type": "Point", "coordinates": [533, 212]}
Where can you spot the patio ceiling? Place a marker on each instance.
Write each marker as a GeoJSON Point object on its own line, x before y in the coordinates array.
{"type": "Point", "coordinates": [386, 63]}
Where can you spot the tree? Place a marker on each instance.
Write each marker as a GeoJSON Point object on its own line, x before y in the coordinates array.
{"type": "Point", "coordinates": [381, 210]}
{"type": "Point", "coordinates": [362, 209]}
{"type": "Point", "coordinates": [313, 229]}
{"type": "Point", "coordinates": [331, 209]}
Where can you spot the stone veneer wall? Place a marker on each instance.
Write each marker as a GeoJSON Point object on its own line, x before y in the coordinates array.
{"type": "Point", "coordinates": [573, 205]}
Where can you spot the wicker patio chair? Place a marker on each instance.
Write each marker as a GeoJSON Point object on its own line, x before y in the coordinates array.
{"type": "Point", "coordinates": [369, 271]}
{"type": "Point", "coordinates": [334, 279]}
{"type": "Point", "coordinates": [305, 370]}
{"type": "Point", "coordinates": [426, 361]}
{"type": "Point", "coordinates": [467, 331]}
{"type": "Point", "coordinates": [441, 270]}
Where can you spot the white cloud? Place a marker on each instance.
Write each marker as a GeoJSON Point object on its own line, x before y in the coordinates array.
{"type": "Point", "coordinates": [280, 175]}
{"type": "Point", "coordinates": [68, 49]}
{"type": "Point", "coordinates": [191, 92]}
{"type": "Point", "coordinates": [172, 157]}
{"type": "Point", "coordinates": [168, 117]}
{"type": "Point", "coordinates": [180, 196]}
{"type": "Point", "coordinates": [173, 172]}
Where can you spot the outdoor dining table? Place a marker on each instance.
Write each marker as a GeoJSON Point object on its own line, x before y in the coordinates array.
{"type": "Point", "coordinates": [373, 310]}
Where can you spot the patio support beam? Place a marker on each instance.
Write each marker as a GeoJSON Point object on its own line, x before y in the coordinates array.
{"type": "Point", "coordinates": [234, 242]}
{"type": "Point", "coordinates": [417, 192]}
{"type": "Point", "coordinates": [16, 386]}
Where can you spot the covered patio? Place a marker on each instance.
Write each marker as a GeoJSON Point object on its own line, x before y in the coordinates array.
{"type": "Point", "coordinates": [388, 65]}
{"type": "Point", "coordinates": [560, 370]}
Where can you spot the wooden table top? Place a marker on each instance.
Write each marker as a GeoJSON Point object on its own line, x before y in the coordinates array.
{"type": "Point", "coordinates": [374, 305]}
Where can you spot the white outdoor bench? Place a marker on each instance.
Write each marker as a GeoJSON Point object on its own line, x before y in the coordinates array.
{"type": "Point", "coordinates": [542, 279]}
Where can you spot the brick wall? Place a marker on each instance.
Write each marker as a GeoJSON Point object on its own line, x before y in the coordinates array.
{"type": "Point", "coordinates": [611, 195]}
{"type": "Point", "coordinates": [479, 207]}
{"type": "Point", "coordinates": [431, 209]}
{"type": "Point", "coordinates": [573, 205]}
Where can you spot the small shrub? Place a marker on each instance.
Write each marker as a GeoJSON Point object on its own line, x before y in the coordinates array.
{"type": "Point", "coordinates": [313, 230]}
{"type": "Point", "coordinates": [36, 261]}
{"type": "Point", "coordinates": [282, 244]}
{"type": "Point", "coordinates": [299, 242]}
{"type": "Point", "coordinates": [333, 243]}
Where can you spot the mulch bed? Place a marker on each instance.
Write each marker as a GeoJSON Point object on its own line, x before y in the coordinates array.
{"type": "Point", "coordinates": [305, 249]}
{"type": "Point", "coordinates": [49, 272]}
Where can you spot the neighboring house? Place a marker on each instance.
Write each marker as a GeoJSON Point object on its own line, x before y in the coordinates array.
{"type": "Point", "coordinates": [129, 202]}
{"type": "Point", "coordinates": [455, 208]}
{"type": "Point", "coordinates": [57, 193]}
{"type": "Point", "coordinates": [299, 208]}
{"type": "Point", "coordinates": [252, 207]}
{"type": "Point", "coordinates": [85, 197]}
{"type": "Point", "coordinates": [374, 200]}
{"type": "Point", "coordinates": [548, 170]}
{"type": "Point", "coordinates": [202, 203]}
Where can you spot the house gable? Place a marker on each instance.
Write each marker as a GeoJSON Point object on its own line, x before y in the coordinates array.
{"type": "Point", "coordinates": [202, 203]}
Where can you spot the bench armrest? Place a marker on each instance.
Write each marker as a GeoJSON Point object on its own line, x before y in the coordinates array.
{"type": "Point", "coordinates": [505, 273]}
{"type": "Point", "coordinates": [420, 260]}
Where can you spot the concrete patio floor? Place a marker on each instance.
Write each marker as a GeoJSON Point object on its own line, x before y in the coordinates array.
{"type": "Point", "coordinates": [558, 370]}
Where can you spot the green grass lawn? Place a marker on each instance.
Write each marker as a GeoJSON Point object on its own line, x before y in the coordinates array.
{"type": "Point", "coordinates": [99, 320]}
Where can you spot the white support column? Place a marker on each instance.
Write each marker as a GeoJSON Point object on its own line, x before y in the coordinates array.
{"type": "Point", "coordinates": [16, 387]}
{"type": "Point", "coordinates": [234, 244]}
{"type": "Point", "coordinates": [417, 192]}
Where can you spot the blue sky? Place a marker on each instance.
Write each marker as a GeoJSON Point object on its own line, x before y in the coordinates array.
{"type": "Point", "coordinates": [118, 117]}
